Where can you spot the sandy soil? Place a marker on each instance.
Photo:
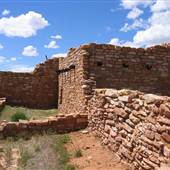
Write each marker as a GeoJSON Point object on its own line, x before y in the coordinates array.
{"type": "Point", "coordinates": [94, 155]}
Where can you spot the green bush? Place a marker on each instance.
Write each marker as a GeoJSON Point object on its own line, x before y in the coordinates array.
{"type": "Point", "coordinates": [18, 116]}
{"type": "Point", "coordinates": [78, 153]}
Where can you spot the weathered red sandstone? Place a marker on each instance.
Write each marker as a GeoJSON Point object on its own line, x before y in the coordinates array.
{"type": "Point", "coordinates": [139, 136]}
{"type": "Point", "coordinates": [38, 89]}
{"type": "Point", "coordinates": [59, 124]}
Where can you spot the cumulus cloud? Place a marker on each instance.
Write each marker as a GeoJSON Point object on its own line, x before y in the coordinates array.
{"type": "Point", "coordinates": [30, 51]}
{"type": "Point", "coordinates": [158, 31]}
{"type": "Point", "coordinates": [118, 42]}
{"type": "Point", "coordinates": [59, 55]}
{"type": "Point", "coordinates": [134, 13]}
{"type": "Point", "coordinates": [5, 12]}
{"type": "Point", "coordinates": [130, 4]}
{"type": "Point", "coordinates": [161, 5]}
{"type": "Point", "coordinates": [115, 41]}
{"type": "Point", "coordinates": [137, 24]}
{"type": "Point", "coordinates": [1, 46]}
{"type": "Point", "coordinates": [24, 25]}
{"type": "Point", "coordinates": [57, 37]}
{"type": "Point", "coordinates": [21, 68]}
{"type": "Point", "coordinates": [52, 44]}
{"type": "Point", "coordinates": [155, 29]}
{"type": "Point", "coordinates": [2, 59]}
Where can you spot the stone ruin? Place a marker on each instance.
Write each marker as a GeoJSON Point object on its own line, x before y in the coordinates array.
{"type": "Point", "coordinates": [88, 84]}
{"type": "Point", "coordinates": [133, 124]}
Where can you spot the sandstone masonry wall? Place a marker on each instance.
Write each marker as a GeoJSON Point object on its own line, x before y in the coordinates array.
{"type": "Point", "coordinates": [38, 89]}
{"type": "Point", "coordinates": [116, 67]}
{"type": "Point", "coordinates": [134, 125]}
{"type": "Point", "coordinates": [75, 86]}
{"type": "Point", "coordinates": [109, 66]}
{"type": "Point", "coordinates": [59, 124]}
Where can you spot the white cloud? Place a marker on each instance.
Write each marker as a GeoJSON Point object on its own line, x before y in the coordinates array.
{"type": "Point", "coordinates": [161, 5]}
{"type": "Point", "coordinates": [30, 51]}
{"type": "Point", "coordinates": [52, 44]}
{"type": "Point", "coordinates": [137, 24]}
{"type": "Point", "coordinates": [116, 41]}
{"type": "Point", "coordinates": [24, 25]}
{"type": "Point", "coordinates": [134, 13]}
{"type": "Point", "coordinates": [155, 29]}
{"type": "Point", "coordinates": [130, 4]}
{"type": "Point", "coordinates": [13, 59]}
{"type": "Point", "coordinates": [2, 59]}
{"type": "Point", "coordinates": [1, 46]}
{"type": "Point", "coordinates": [158, 32]}
{"type": "Point", "coordinates": [5, 12]}
{"type": "Point", "coordinates": [59, 55]}
{"type": "Point", "coordinates": [21, 68]}
{"type": "Point", "coordinates": [57, 37]}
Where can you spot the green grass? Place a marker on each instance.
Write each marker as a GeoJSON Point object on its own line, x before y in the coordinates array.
{"type": "Point", "coordinates": [18, 116]}
{"type": "Point", "coordinates": [64, 156]}
{"type": "Point", "coordinates": [8, 111]}
{"type": "Point", "coordinates": [78, 153]}
{"type": "Point", "coordinates": [25, 156]}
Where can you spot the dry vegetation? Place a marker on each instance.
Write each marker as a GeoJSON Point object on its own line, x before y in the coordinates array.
{"type": "Point", "coordinates": [40, 152]}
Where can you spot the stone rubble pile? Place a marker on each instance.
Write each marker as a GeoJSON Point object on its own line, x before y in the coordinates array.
{"type": "Point", "coordinates": [59, 124]}
{"type": "Point", "coordinates": [134, 125]}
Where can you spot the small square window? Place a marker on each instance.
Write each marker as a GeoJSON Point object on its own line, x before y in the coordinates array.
{"type": "Point", "coordinates": [148, 66]}
{"type": "Point", "coordinates": [99, 64]}
{"type": "Point", "coordinates": [125, 65]}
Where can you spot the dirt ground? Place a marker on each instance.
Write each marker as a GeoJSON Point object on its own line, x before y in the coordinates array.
{"type": "Point", "coordinates": [39, 153]}
{"type": "Point", "coordinates": [94, 155]}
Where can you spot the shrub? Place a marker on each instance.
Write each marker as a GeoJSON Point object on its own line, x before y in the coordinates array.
{"type": "Point", "coordinates": [78, 153]}
{"type": "Point", "coordinates": [17, 116]}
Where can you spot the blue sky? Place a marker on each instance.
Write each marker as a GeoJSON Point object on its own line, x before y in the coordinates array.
{"type": "Point", "coordinates": [29, 30]}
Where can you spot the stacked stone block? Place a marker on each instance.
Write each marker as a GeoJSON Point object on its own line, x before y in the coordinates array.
{"type": "Point", "coordinates": [75, 85]}
{"type": "Point", "coordinates": [134, 125]}
{"type": "Point", "coordinates": [38, 89]}
{"type": "Point", "coordinates": [59, 124]}
{"type": "Point", "coordinates": [141, 69]}
{"type": "Point", "coordinates": [109, 66]}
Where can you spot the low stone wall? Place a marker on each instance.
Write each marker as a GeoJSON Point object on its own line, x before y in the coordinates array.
{"type": "Point", "coordinates": [134, 125]}
{"type": "Point", "coordinates": [59, 124]}
{"type": "Point", "coordinates": [2, 103]}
